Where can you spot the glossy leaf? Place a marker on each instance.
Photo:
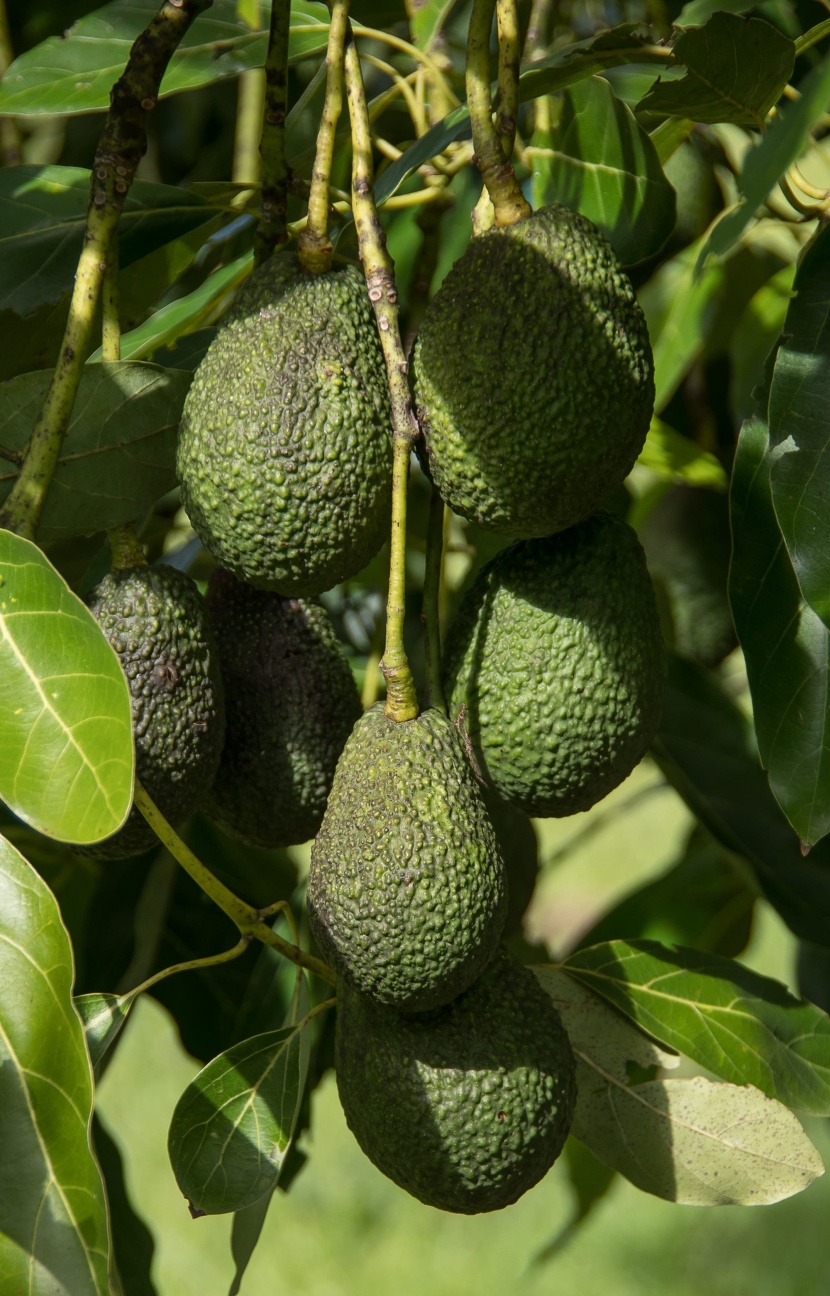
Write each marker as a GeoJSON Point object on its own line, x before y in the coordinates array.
{"type": "Point", "coordinates": [675, 458]}
{"type": "Point", "coordinates": [188, 314]}
{"type": "Point", "coordinates": [103, 1016]}
{"type": "Point", "coordinates": [74, 72]}
{"type": "Point", "coordinates": [42, 221]}
{"type": "Point", "coordinates": [119, 455]}
{"type": "Point", "coordinates": [690, 1141]}
{"type": "Point", "coordinates": [737, 69]}
{"type": "Point", "coordinates": [233, 1124]}
{"type": "Point", "coordinates": [706, 748]}
{"type": "Point", "coordinates": [598, 160]}
{"type": "Point", "coordinates": [66, 747]}
{"type": "Point", "coordinates": [53, 1229]}
{"type": "Point", "coordinates": [799, 418]}
{"type": "Point", "coordinates": [785, 644]}
{"type": "Point", "coordinates": [679, 305]}
{"type": "Point", "coordinates": [742, 1027]}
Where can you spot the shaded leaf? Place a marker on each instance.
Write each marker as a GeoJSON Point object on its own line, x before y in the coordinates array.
{"type": "Point", "coordinates": [679, 306]}
{"type": "Point", "coordinates": [675, 458]}
{"type": "Point", "coordinates": [799, 417]}
{"type": "Point", "coordinates": [66, 747]}
{"type": "Point", "coordinates": [690, 1141]}
{"type": "Point", "coordinates": [741, 1026]}
{"type": "Point", "coordinates": [785, 644]}
{"type": "Point", "coordinates": [119, 455]}
{"type": "Point", "coordinates": [132, 1241]}
{"type": "Point", "coordinates": [53, 1231]}
{"type": "Point", "coordinates": [103, 1016]}
{"type": "Point", "coordinates": [598, 160]}
{"type": "Point", "coordinates": [565, 66]}
{"type": "Point", "coordinates": [737, 69]}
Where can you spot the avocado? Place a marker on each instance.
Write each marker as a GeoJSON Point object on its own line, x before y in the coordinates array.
{"type": "Point", "coordinates": [554, 668]}
{"type": "Point", "coordinates": [465, 1107]}
{"type": "Point", "coordinates": [406, 891]}
{"type": "Point", "coordinates": [533, 376]}
{"type": "Point", "coordinates": [291, 704]}
{"type": "Point", "coordinates": [155, 619]}
{"type": "Point", "coordinates": [285, 445]}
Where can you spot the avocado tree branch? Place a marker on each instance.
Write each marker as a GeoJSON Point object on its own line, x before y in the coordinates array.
{"type": "Point", "coordinates": [314, 248]}
{"type": "Point", "coordinates": [121, 147]}
{"type": "Point", "coordinates": [507, 18]}
{"type": "Point", "coordinates": [271, 231]}
{"type": "Point", "coordinates": [431, 613]}
{"type": "Point", "coordinates": [9, 134]}
{"type": "Point", "coordinates": [401, 698]}
{"type": "Point", "coordinates": [496, 170]}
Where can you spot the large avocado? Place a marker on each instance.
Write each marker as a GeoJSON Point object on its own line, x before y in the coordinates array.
{"type": "Point", "coordinates": [533, 376]}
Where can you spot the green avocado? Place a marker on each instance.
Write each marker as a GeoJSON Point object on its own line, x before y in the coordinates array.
{"type": "Point", "coordinates": [533, 376]}
{"type": "Point", "coordinates": [468, 1106]}
{"type": "Point", "coordinates": [285, 446]}
{"type": "Point", "coordinates": [554, 668]}
{"type": "Point", "coordinates": [406, 891]}
{"type": "Point", "coordinates": [291, 704]}
{"type": "Point", "coordinates": [155, 619]}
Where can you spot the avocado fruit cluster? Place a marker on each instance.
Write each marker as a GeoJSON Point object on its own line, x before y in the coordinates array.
{"type": "Point", "coordinates": [155, 619]}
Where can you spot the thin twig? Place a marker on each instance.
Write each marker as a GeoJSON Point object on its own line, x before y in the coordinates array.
{"type": "Point", "coordinates": [496, 171]}
{"type": "Point", "coordinates": [271, 231]}
{"type": "Point", "coordinates": [506, 118]}
{"type": "Point", "coordinates": [10, 151]}
{"type": "Point", "coordinates": [430, 614]}
{"type": "Point", "coordinates": [314, 248]}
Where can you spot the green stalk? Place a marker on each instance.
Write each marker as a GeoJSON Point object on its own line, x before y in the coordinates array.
{"type": "Point", "coordinates": [111, 314]}
{"type": "Point", "coordinates": [314, 248]}
{"type": "Point", "coordinates": [430, 614]}
{"type": "Point", "coordinates": [401, 698]}
{"type": "Point", "coordinates": [250, 106]}
{"type": "Point", "coordinates": [122, 144]}
{"type": "Point", "coordinates": [509, 55]}
{"type": "Point", "coordinates": [10, 154]}
{"type": "Point", "coordinates": [271, 231]}
{"type": "Point", "coordinates": [496, 171]}
{"type": "Point", "coordinates": [247, 919]}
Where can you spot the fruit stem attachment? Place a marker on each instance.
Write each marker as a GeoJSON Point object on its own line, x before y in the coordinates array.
{"type": "Point", "coordinates": [314, 246]}
{"type": "Point", "coordinates": [121, 147]}
{"type": "Point", "coordinates": [247, 919]}
{"type": "Point", "coordinates": [496, 169]}
{"type": "Point", "coordinates": [126, 548]}
{"type": "Point", "coordinates": [430, 611]}
{"type": "Point", "coordinates": [401, 697]}
{"type": "Point", "coordinates": [271, 232]}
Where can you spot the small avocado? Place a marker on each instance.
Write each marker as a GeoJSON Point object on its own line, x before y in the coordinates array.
{"type": "Point", "coordinates": [465, 1107]}
{"type": "Point", "coordinates": [291, 704]}
{"type": "Point", "coordinates": [155, 619]}
{"type": "Point", "coordinates": [406, 891]}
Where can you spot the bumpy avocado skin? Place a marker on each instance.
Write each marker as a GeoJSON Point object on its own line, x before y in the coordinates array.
{"type": "Point", "coordinates": [533, 376]}
{"type": "Point", "coordinates": [466, 1107]}
{"type": "Point", "coordinates": [155, 619]}
{"type": "Point", "coordinates": [406, 891]}
{"type": "Point", "coordinates": [555, 667]}
{"type": "Point", "coordinates": [291, 704]}
{"type": "Point", "coordinates": [285, 451]}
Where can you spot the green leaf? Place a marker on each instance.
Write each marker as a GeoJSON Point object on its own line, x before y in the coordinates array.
{"type": "Point", "coordinates": [737, 69]}
{"type": "Point", "coordinates": [679, 306]}
{"type": "Point", "coordinates": [697, 12]}
{"type": "Point", "coordinates": [103, 1015]}
{"type": "Point", "coordinates": [785, 644]}
{"type": "Point", "coordinates": [66, 746]}
{"type": "Point", "coordinates": [233, 1124]}
{"type": "Point", "coordinates": [53, 1231]}
{"type": "Point", "coordinates": [628, 43]}
{"type": "Point", "coordinates": [799, 416]}
{"type": "Point", "coordinates": [43, 217]}
{"type": "Point", "coordinates": [186, 315]}
{"type": "Point", "coordinates": [690, 1141]}
{"type": "Point", "coordinates": [783, 142]}
{"type": "Point", "coordinates": [119, 455]}
{"type": "Point", "coordinates": [705, 746]}
{"type": "Point", "coordinates": [427, 19]}
{"type": "Point", "coordinates": [674, 458]}
{"type": "Point", "coordinates": [73, 73]}
{"type": "Point", "coordinates": [742, 1027]}
{"type": "Point", "coordinates": [598, 160]}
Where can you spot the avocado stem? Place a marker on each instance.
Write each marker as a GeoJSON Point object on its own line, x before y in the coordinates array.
{"type": "Point", "coordinates": [126, 548]}
{"type": "Point", "coordinates": [247, 919]}
{"type": "Point", "coordinates": [430, 611]}
{"type": "Point", "coordinates": [314, 247]}
{"type": "Point", "coordinates": [496, 169]}
{"type": "Point", "coordinates": [122, 145]}
{"type": "Point", "coordinates": [272, 231]}
{"type": "Point", "coordinates": [401, 697]}
{"type": "Point", "coordinates": [508, 81]}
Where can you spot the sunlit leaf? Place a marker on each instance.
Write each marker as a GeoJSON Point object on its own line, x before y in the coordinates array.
{"type": "Point", "coordinates": [679, 305]}
{"type": "Point", "coordinates": [103, 1016]}
{"type": "Point", "coordinates": [675, 458]}
{"type": "Point", "coordinates": [186, 315]}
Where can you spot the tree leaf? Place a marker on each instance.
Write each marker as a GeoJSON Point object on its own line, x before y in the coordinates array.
{"type": "Point", "coordinates": [741, 1026]}
{"type": "Point", "coordinates": [782, 142]}
{"type": "Point", "coordinates": [799, 416]}
{"type": "Point", "coordinates": [186, 315]}
{"type": "Point", "coordinates": [785, 644]}
{"type": "Point", "coordinates": [705, 746]}
{"type": "Point", "coordinates": [679, 306]}
{"type": "Point", "coordinates": [233, 1124]}
{"type": "Point", "coordinates": [675, 458]}
{"type": "Point", "coordinates": [598, 160]}
{"type": "Point", "coordinates": [427, 19]}
{"type": "Point", "coordinates": [66, 746]}
{"type": "Point", "coordinates": [565, 66]}
{"type": "Point", "coordinates": [53, 1232]}
{"type": "Point", "coordinates": [103, 1015]}
{"type": "Point", "coordinates": [73, 73]}
{"type": "Point", "coordinates": [119, 455]}
{"type": "Point", "coordinates": [690, 1141]}
{"type": "Point", "coordinates": [43, 218]}
{"type": "Point", "coordinates": [737, 69]}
